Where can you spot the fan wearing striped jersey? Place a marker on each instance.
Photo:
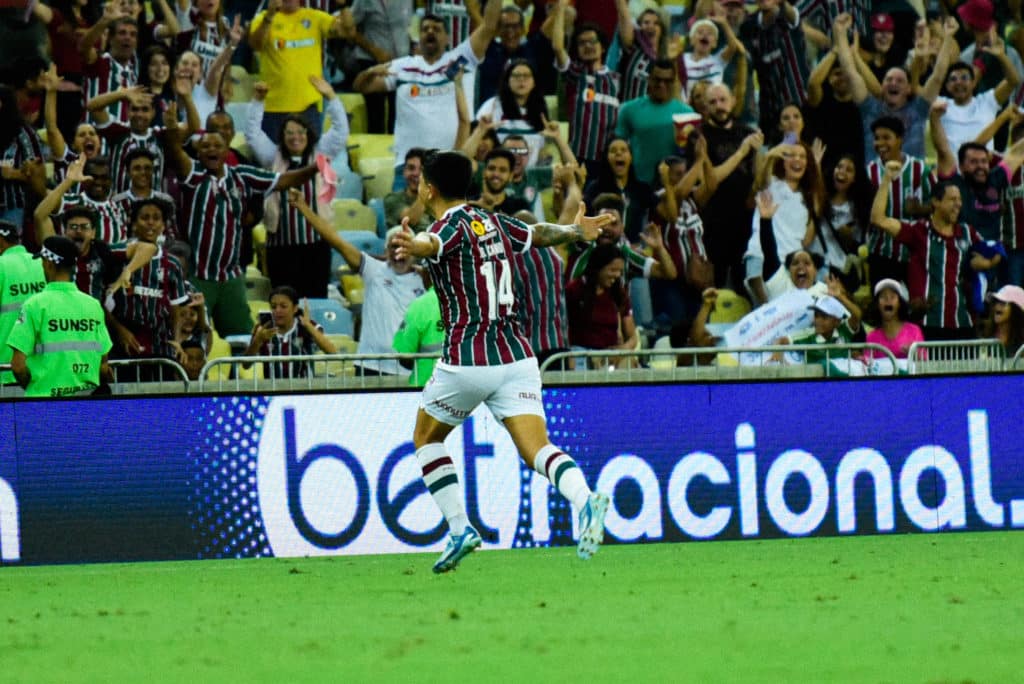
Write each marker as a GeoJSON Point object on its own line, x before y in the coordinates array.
{"type": "Point", "coordinates": [485, 358]}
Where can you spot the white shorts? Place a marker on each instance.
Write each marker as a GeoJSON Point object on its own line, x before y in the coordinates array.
{"type": "Point", "coordinates": [512, 389]}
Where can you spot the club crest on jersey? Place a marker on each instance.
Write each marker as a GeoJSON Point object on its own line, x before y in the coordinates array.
{"type": "Point", "coordinates": [478, 228]}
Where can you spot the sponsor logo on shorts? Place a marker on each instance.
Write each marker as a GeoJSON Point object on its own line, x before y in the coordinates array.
{"type": "Point", "coordinates": [450, 410]}
{"type": "Point", "coordinates": [532, 396]}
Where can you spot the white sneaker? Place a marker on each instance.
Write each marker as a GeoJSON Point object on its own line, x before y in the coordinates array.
{"type": "Point", "coordinates": [592, 525]}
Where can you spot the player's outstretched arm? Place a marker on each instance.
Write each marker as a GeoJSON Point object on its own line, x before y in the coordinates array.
{"type": "Point", "coordinates": [584, 228]}
{"type": "Point", "coordinates": [419, 245]}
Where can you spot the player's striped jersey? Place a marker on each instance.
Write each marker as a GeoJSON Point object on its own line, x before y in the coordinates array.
{"type": "Point", "coordinates": [1013, 212]}
{"type": "Point", "coordinates": [637, 265]}
{"type": "Point", "coordinates": [936, 265]}
{"type": "Point", "coordinates": [113, 220]}
{"type": "Point", "coordinates": [106, 74]}
{"type": "Point", "coordinates": [914, 182]}
{"type": "Point", "coordinates": [593, 101]}
{"type": "Point", "coordinates": [539, 278]}
{"type": "Point", "coordinates": [146, 308]}
{"type": "Point", "coordinates": [25, 145]}
{"type": "Point", "coordinates": [213, 216]}
{"type": "Point", "coordinates": [473, 274]}
{"type": "Point", "coordinates": [121, 141]}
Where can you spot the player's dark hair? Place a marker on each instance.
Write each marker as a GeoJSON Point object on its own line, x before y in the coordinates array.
{"type": "Point", "coordinates": [415, 153]}
{"type": "Point", "coordinates": [449, 172]}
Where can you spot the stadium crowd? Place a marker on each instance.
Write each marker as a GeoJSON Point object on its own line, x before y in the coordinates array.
{"type": "Point", "coordinates": [866, 152]}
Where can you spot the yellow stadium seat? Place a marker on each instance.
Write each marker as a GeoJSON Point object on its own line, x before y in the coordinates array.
{"type": "Point", "coordinates": [355, 107]}
{"type": "Point", "coordinates": [350, 214]}
{"type": "Point", "coordinates": [729, 307]}
{"type": "Point", "coordinates": [352, 287]}
{"type": "Point", "coordinates": [257, 288]}
{"type": "Point", "coordinates": [378, 175]}
{"type": "Point", "coordinates": [369, 145]}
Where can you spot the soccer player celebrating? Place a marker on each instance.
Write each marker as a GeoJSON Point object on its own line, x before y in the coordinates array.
{"type": "Point", "coordinates": [486, 359]}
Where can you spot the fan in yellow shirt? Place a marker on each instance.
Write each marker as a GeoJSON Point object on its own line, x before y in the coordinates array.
{"type": "Point", "coordinates": [289, 39]}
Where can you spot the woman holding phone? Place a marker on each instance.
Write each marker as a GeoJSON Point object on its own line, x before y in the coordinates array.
{"type": "Point", "coordinates": [285, 331]}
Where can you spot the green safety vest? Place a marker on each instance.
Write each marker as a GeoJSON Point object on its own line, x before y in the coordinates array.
{"type": "Point", "coordinates": [62, 332]}
{"type": "Point", "coordinates": [21, 276]}
{"type": "Point", "coordinates": [421, 332]}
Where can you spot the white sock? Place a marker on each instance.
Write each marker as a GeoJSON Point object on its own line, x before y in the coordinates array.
{"type": "Point", "coordinates": [443, 484]}
{"type": "Point", "coordinates": [563, 473]}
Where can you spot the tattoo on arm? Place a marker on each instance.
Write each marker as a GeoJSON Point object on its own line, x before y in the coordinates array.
{"type": "Point", "coordinates": [549, 234]}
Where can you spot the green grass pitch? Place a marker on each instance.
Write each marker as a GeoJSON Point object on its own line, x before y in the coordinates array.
{"type": "Point", "coordinates": [906, 608]}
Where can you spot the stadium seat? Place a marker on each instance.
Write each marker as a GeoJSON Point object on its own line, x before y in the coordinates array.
{"type": "Point", "coordinates": [729, 308]}
{"type": "Point", "coordinates": [365, 241]}
{"type": "Point", "coordinates": [241, 81]}
{"type": "Point", "coordinates": [256, 306]}
{"type": "Point", "coordinates": [355, 107]}
{"type": "Point", "coordinates": [257, 288]}
{"type": "Point", "coordinates": [344, 343]}
{"type": "Point", "coordinates": [378, 175]}
{"type": "Point", "coordinates": [350, 183]}
{"type": "Point", "coordinates": [368, 146]}
{"type": "Point", "coordinates": [352, 287]}
{"type": "Point", "coordinates": [331, 316]}
{"type": "Point", "coordinates": [377, 204]}
{"type": "Point", "coordinates": [353, 215]}
{"type": "Point", "coordinates": [259, 247]}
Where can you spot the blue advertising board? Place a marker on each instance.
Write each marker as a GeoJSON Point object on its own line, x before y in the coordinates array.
{"type": "Point", "coordinates": [294, 475]}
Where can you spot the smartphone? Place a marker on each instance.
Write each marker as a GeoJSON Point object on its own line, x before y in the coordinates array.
{"type": "Point", "coordinates": [266, 320]}
{"type": "Point", "coordinates": [790, 138]}
{"type": "Point", "coordinates": [452, 70]}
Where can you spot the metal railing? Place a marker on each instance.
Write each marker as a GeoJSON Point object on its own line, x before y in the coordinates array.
{"type": "Point", "coordinates": [685, 364]}
{"type": "Point", "coordinates": [701, 364]}
{"type": "Point", "coordinates": [323, 371]}
{"type": "Point", "coordinates": [957, 356]}
{"type": "Point", "coordinates": [165, 372]}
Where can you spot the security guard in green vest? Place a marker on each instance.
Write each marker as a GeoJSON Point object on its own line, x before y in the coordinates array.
{"type": "Point", "coordinates": [422, 332]}
{"type": "Point", "coordinates": [21, 276]}
{"type": "Point", "coordinates": [60, 341]}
